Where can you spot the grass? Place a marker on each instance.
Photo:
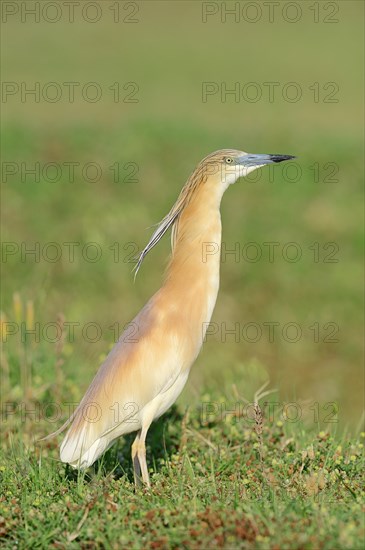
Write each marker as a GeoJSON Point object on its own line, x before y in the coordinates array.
{"type": "Point", "coordinates": [218, 480]}
{"type": "Point", "coordinates": [237, 469]}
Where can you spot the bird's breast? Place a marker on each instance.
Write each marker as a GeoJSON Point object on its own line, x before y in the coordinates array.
{"type": "Point", "coordinates": [185, 304]}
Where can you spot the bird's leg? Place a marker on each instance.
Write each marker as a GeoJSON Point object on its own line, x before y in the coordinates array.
{"type": "Point", "coordinates": [135, 461]}
{"type": "Point", "coordinates": [141, 453]}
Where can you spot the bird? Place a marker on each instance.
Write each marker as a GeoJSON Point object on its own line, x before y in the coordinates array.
{"type": "Point", "coordinates": [143, 376]}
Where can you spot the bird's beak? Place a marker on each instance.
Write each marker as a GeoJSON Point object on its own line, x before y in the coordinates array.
{"type": "Point", "coordinates": [261, 160]}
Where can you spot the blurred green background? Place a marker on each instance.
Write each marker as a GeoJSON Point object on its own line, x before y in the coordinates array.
{"type": "Point", "coordinates": [168, 53]}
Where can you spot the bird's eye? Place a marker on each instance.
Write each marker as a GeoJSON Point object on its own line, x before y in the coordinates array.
{"type": "Point", "coordinates": [229, 160]}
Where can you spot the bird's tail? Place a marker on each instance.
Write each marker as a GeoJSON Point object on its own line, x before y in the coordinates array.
{"type": "Point", "coordinates": [75, 448]}
{"type": "Point", "coordinates": [77, 451]}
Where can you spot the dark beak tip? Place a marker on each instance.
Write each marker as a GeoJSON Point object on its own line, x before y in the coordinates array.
{"type": "Point", "coordinates": [281, 158]}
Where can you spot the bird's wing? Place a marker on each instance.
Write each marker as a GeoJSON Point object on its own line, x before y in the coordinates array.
{"type": "Point", "coordinates": [132, 375]}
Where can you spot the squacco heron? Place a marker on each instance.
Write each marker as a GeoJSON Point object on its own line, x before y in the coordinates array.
{"type": "Point", "coordinates": [140, 380]}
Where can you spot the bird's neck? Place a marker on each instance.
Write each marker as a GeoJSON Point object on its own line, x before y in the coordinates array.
{"type": "Point", "coordinates": [193, 271]}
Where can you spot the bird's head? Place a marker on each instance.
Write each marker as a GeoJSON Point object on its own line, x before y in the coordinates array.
{"type": "Point", "coordinates": [214, 173]}
{"type": "Point", "coordinates": [228, 165]}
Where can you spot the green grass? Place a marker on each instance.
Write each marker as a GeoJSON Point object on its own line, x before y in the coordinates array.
{"type": "Point", "coordinates": [224, 473]}
{"type": "Point", "coordinates": [224, 483]}
{"type": "Point", "coordinates": [214, 485]}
